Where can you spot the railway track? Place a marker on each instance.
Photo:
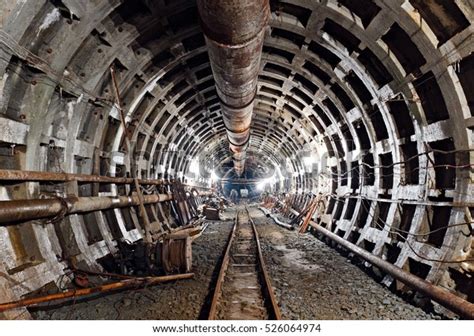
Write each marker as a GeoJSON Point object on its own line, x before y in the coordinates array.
{"type": "Point", "coordinates": [243, 290]}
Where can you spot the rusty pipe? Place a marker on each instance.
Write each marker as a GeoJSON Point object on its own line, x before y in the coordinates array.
{"type": "Point", "coordinates": [268, 214]}
{"type": "Point", "coordinates": [13, 175]}
{"type": "Point", "coordinates": [74, 293]}
{"type": "Point", "coordinates": [39, 176]}
{"type": "Point", "coordinates": [234, 32]}
{"type": "Point", "coordinates": [24, 210]}
{"type": "Point", "coordinates": [447, 299]}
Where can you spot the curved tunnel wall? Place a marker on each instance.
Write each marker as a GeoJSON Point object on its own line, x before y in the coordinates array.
{"type": "Point", "coordinates": [380, 90]}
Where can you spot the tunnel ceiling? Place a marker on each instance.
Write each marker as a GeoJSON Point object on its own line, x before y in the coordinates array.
{"type": "Point", "coordinates": [336, 76]}
{"type": "Point", "coordinates": [379, 93]}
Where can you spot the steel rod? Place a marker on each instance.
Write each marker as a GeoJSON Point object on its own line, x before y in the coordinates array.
{"type": "Point", "coordinates": [141, 201]}
{"type": "Point", "coordinates": [436, 293]}
{"type": "Point", "coordinates": [266, 277]}
{"type": "Point", "coordinates": [145, 281]}
{"type": "Point", "coordinates": [222, 272]}
{"type": "Point", "coordinates": [275, 219]}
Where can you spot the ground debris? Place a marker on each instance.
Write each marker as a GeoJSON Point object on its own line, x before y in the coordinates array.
{"type": "Point", "coordinates": [181, 300]}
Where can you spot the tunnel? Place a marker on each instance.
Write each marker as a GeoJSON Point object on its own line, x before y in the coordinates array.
{"type": "Point", "coordinates": [344, 129]}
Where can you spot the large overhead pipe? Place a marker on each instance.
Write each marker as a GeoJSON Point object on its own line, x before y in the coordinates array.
{"type": "Point", "coordinates": [234, 31]}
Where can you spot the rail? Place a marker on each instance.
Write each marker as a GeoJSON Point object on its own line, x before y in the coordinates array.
{"type": "Point", "coordinates": [243, 289]}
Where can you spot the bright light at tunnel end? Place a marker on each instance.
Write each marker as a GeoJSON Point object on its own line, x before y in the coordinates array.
{"type": "Point", "coordinates": [261, 185]}
{"type": "Point", "coordinates": [268, 181]}
{"type": "Point", "coordinates": [308, 160]}
{"type": "Point", "coordinates": [214, 176]}
{"type": "Point", "coordinates": [194, 166]}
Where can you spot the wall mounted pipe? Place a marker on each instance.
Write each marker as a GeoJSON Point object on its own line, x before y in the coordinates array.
{"type": "Point", "coordinates": [436, 293]}
{"type": "Point", "coordinates": [38, 176]}
{"type": "Point", "coordinates": [24, 210]}
{"type": "Point", "coordinates": [234, 32]}
{"type": "Point", "coordinates": [449, 300]}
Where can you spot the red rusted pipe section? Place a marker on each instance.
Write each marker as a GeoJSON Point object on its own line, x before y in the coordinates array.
{"type": "Point", "coordinates": [74, 293]}
{"type": "Point", "coordinates": [234, 31]}
{"type": "Point", "coordinates": [24, 210]}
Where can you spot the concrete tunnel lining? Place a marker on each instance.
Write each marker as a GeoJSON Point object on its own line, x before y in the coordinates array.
{"type": "Point", "coordinates": [368, 89]}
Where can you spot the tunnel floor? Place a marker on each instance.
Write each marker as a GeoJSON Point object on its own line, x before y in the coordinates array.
{"type": "Point", "coordinates": [312, 281]}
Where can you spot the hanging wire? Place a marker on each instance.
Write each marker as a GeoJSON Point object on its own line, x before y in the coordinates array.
{"type": "Point", "coordinates": [385, 224]}
{"type": "Point", "coordinates": [61, 214]}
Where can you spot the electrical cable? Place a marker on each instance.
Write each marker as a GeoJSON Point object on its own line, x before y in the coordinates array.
{"type": "Point", "coordinates": [376, 220]}
{"type": "Point", "coordinates": [414, 234]}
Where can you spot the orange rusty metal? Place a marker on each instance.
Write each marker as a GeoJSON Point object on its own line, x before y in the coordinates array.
{"type": "Point", "coordinates": [38, 176]}
{"type": "Point", "coordinates": [270, 302]}
{"type": "Point", "coordinates": [74, 293]}
{"type": "Point", "coordinates": [23, 210]}
{"type": "Point", "coordinates": [234, 31]}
